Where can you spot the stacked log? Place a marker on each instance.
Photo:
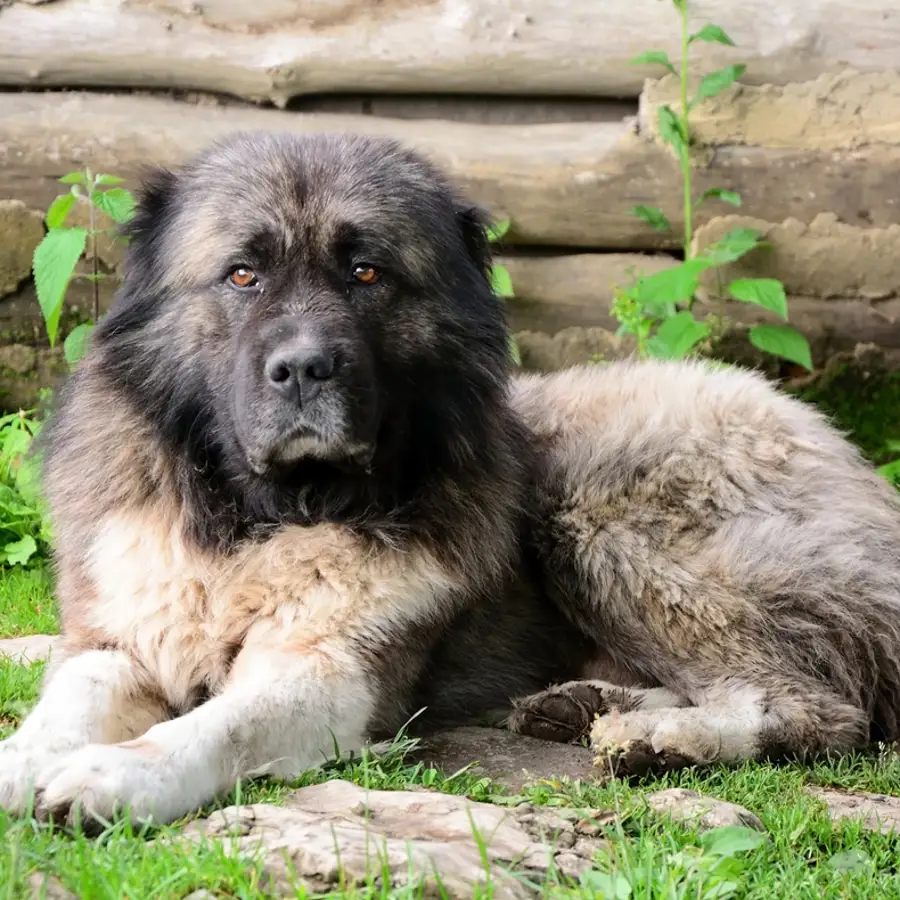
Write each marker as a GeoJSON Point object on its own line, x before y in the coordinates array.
{"type": "Point", "coordinates": [533, 109]}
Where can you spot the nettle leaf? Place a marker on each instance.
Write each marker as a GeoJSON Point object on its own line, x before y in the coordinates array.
{"type": "Point", "coordinates": [713, 35]}
{"type": "Point", "coordinates": [670, 129]}
{"type": "Point", "coordinates": [609, 885]}
{"type": "Point", "coordinates": [74, 178]}
{"type": "Point", "coordinates": [501, 283]}
{"type": "Point", "coordinates": [117, 203]}
{"type": "Point", "coordinates": [653, 216]}
{"type": "Point", "coordinates": [76, 343]}
{"type": "Point", "coordinates": [677, 336]}
{"type": "Point", "coordinates": [107, 179]}
{"type": "Point", "coordinates": [498, 229]}
{"type": "Point", "coordinates": [732, 246]}
{"type": "Point", "coordinates": [783, 341]}
{"type": "Point", "coordinates": [716, 82]}
{"type": "Point", "coordinates": [671, 285]}
{"type": "Point", "coordinates": [731, 839]}
{"type": "Point", "coordinates": [653, 58]}
{"type": "Point", "coordinates": [59, 210]}
{"type": "Point", "coordinates": [765, 292]}
{"type": "Point", "coordinates": [732, 197]}
{"type": "Point", "coordinates": [514, 354]}
{"type": "Point", "coordinates": [54, 262]}
{"type": "Point", "coordinates": [851, 861]}
{"type": "Point", "coordinates": [19, 552]}
{"type": "Point", "coordinates": [890, 471]}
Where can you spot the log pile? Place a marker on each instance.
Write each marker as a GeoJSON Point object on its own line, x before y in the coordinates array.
{"type": "Point", "coordinates": [533, 109]}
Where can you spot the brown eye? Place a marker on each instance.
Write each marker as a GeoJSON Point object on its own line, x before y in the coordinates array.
{"type": "Point", "coordinates": [365, 274]}
{"type": "Point", "coordinates": [243, 277]}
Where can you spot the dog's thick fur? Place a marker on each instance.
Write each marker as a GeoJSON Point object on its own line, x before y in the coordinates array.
{"type": "Point", "coordinates": [678, 560]}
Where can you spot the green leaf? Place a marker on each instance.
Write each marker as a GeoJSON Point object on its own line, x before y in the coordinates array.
{"type": "Point", "coordinates": [498, 229]}
{"type": "Point", "coordinates": [501, 283]}
{"type": "Point", "coordinates": [608, 885]}
{"type": "Point", "coordinates": [76, 342]}
{"type": "Point", "coordinates": [74, 178]}
{"type": "Point", "coordinates": [677, 336]}
{"type": "Point", "coordinates": [117, 203]}
{"type": "Point", "coordinates": [731, 839]}
{"type": "Point", "coordinates": [514, 351]}
{"type": "Point", "coordinates": [851, 861]}
{"type": "Point", "coordinates": [653, 58]}
{"type": "Point", "coordinates": [732, 246]}
{"type": "Point", "coordinates": [108, 179]}
{"type": "Point", "coordinates": [783, 341]}
{"type": "Point", "coordinates": [716, 82]}
{"type": "Point", "coordinates": [891, 471]}
{"type": "Point", "coordinates": [713, 35]}
{"type": "Point", "coordinates": [765, 292]}
{"type": "Point", "coordinates": [19, 552]}
{"type": "Point", "coordinates": [732, 197]}
{"type": "Point", "coordinates": [59, 210]}
{"type": "Point", "coordinates": [653, 216]}
{"type": "Point", "coordinates": [54, 262]}
{"type": "Point", "coordinates": [721, 890]}
{"type": "Point", "coordinates": [671, 285]}
{"type": "Point", "coordinates": [670, 130]}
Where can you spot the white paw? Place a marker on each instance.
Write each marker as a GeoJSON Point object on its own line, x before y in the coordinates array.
{"type": "Point", "coordinates": [19, 768]}
{"type": "Point", "coordinates": [100, 781]}
{"type": "Point", "coordinates": [662, 739]}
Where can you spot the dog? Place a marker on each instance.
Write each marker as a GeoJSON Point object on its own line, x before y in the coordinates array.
{"type": "Point", "coordinates": [298, 493]}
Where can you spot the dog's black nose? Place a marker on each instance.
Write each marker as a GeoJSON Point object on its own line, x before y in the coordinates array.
{"type": "Point", "coordinates": [298, 373]}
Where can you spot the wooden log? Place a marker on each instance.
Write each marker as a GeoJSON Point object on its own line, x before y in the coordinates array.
{"type": "Point", "coordinates": [832, 112]}
{"type": "Point", "coordinates": [823, 259]}
{"type": "Point", "coordinates": [557, 293]}
{"type": "Point", "coordinates": [275, 49]}
{"type": "Point", "coordinates": [561, 184]}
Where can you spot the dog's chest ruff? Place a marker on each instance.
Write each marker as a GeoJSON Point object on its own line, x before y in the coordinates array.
{"type": "Point", "coordinates": [184, 614]}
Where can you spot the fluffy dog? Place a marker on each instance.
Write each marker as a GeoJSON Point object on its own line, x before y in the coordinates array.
{"type": "Point", "coordinates": [297, 496]}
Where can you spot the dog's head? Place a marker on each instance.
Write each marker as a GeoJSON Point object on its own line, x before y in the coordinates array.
{"type": "Point", "coordinates": [302, 297]}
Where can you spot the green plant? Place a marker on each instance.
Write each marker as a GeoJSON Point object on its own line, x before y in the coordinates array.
{"type": "Point", "coordinates": [24, 528]}
{"type": "Point", "coordinates": [658, 309]}
{"type": "Point", "coordinates": [501, 281]}
{"type": "Point", "coordinates": [891, 469]}
{"type": "Point", "coordinates": [713, 871]}
{"type": "Point", "coordinates": [58, 254]}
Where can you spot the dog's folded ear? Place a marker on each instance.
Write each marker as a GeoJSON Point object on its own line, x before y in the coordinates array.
{"type": "Point", "coordinates": [154, 200]}
{"type": "Point", "coordinates": [474, 222]}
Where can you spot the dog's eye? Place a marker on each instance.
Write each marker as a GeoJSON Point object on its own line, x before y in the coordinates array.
{"type": "Point", "coordinates": [365, 274]}
{"type": "Point", "coordinates": [243, 277]}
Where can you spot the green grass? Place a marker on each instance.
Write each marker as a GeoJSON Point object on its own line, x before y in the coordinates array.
{"type": "Point", "coordinates": [804, 856]}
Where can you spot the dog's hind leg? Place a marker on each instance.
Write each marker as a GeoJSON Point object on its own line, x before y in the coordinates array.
{"type": "Point", "coordinates": [737, 721]}
{"type": "Point", "coordinates": [565, 712]}
{"type": "Point", "coordinates": [92, 697]}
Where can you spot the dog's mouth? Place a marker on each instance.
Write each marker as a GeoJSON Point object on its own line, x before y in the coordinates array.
{"type": "Point", "coordinates": [305, 444]}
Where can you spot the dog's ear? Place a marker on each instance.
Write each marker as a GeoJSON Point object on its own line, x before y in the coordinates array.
{"type": "Point", "coordinates": [153, 204]}
{"type": "Point", "coordinates": [474, 223]}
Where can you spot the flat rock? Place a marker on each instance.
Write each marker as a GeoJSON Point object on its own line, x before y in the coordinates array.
{"type": "Point", "coordinates": [48, 887]}
{"type": "Point", "coordinates": [878, 812]}
{"type": "Point", "coordinates": [701, 811]}
{"type": "Point", "coordinates": [29, 649]}
{"type": "Point", "coordinates": [338, 834]}
{"type": "Point", "coordinates": [511, 760]}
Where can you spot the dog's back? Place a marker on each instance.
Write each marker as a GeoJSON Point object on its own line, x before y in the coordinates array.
{"type": "Point", "coordinates": [718, 537]}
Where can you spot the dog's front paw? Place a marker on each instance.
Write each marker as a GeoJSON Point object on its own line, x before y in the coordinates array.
{"type": "Point", "coordinates": [20, 766]}
{"type": "Point", "coordinates": [99, 782]}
